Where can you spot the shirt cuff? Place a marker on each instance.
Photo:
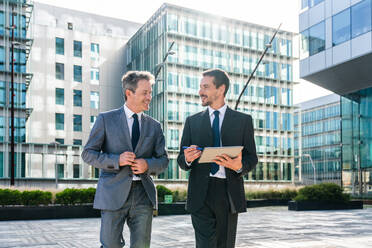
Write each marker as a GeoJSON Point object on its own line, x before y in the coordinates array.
{"type": "Point", "coordinates": [187, 163]}
{"type": "Point", "coordinates": [240, 170]}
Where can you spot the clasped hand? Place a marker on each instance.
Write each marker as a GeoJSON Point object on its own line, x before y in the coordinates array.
{"type": "Point", "coordinates": [137, 165]}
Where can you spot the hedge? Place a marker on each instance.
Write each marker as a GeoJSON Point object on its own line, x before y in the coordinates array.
{"type": "Point", "coordinates": [27, 198]}
{"type": "Point", "coordinates": [325, 192]}
{"type": "Point", "coordinates": [75, 196]}
{"type": "Point", "coordinates": [286, 194]}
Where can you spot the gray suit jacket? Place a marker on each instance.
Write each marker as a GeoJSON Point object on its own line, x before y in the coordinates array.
{"type": "Point", "coordinates": [109, 138]}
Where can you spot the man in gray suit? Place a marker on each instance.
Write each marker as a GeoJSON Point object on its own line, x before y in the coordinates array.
{"type": "Point", "coordinates": [127, 145]}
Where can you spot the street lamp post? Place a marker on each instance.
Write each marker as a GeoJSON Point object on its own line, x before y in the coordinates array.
{"type": "Point", "coordinates": [12, 153]}
{"type": "Point", "coordinates": [159, 66]}
{"type": "Point", "coordinates": [56, 144]}
{"type": "Point", "coordinates": [312, 164]}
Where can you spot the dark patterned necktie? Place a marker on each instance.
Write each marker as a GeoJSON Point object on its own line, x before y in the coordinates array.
{"type": "Point", "coordinates": [216, 138]}
{"type": "Point", "coordinates": [135, 131]}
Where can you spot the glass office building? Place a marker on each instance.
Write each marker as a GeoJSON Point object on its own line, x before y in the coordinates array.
{"type": "Point", "coordinates": [336, 53]}
{"type": "Point", "coordinates": [317, 126]}
{"type": "Point", "coordinates": [204, 41]}
{"type": "Point", "coordinates": [14, 14]}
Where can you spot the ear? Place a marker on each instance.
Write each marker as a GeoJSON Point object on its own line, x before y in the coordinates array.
{"type": "Point", "coordinates": [128, 93]}
{"type": "Point", "coordinates": [222, 89]}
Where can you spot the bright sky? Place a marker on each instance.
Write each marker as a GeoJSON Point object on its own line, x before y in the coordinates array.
{"type": "Point", "coordinates": [265, 12]}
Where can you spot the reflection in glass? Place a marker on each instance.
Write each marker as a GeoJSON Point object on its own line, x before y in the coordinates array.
{"type": "Point", "coordinates": [341, 27]}
{"type": "Point", "coordinates": [361, 18]}
{"type": "Point", "coordinates": [317, 38]}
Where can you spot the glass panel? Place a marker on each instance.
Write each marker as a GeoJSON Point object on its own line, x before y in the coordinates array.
{"type": "Point", "coordinates": [60, 96]}
{"type": "Point", "coordinates": [78, 73]}
{"type": "Point", "coordinates": [361, 18]}
{"type": "Point", "coordinates": [341, 27]}
{"type": "Point", "coordinates": [77, 48]}
{"type": "Point", "coordinates": [317, 38]}
{"type": "Point", "coordinates": [77, 123]}
{"type": "Point", "coordinates": [94, 99]}
{"type": "Point", "coordinates": [76, 173]}
{"type": "Point", "coordinates": [78, 102]}
{"type": "Point", "coordinates": [60, 46]}
{"type": "Point", "coordinates": [60, 71]}
{"type": "Point", "coordinates": [60, 121]}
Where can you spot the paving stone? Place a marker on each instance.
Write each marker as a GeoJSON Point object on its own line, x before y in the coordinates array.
{"type": "Point", "coordinates": [270, 227]}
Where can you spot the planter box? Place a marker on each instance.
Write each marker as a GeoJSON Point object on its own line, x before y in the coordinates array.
{"type": "Point", "coordinates": [266, 203]}
{"type": "Point", "coordinates": [48, 212]}
{"type": "Point", "coordinates": [313, 205]}
{"type": "Point", "coordinates": [175, 208]}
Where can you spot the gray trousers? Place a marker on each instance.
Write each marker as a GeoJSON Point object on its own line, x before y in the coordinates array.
{"type": "Point", "coordinates": [137, 212]}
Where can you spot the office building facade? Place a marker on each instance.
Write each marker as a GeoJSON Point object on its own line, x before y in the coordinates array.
{"type": "Point", "coordinates": [317, 125]}
{"type": "Point", "coordinates": [77, 62]}
{"type": "Point", "coordinates": [336, 53]}
{"type": "Point", "coordinates": [14, 29]}
{"type": "Point", "coordinates": [203, 41]}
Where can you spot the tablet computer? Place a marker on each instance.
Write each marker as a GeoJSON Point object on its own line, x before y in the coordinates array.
{"type": "Point", "coordinates": [210, 153]}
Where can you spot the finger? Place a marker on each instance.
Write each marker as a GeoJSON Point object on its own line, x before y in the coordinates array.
{"type": "Point", "coordinates": [225, 156]}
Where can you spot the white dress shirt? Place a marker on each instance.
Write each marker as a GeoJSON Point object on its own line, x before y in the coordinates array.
{"type": "Point", "coordinates": [221, 171]}
{"type": "Point", "coordinates": [129, 114]}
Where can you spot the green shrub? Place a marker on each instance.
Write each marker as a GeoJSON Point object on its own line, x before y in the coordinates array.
{"type": "Point", "coordinates": [286, 194]}
{"type": "Point", "coordinates": [36, 197]}
{"type": "Point", "coordinates": [75, 196]}
{"type": "Point", "coordinates": [162, 191]}
{"type": "Point", "coordinates": [10, 197]}
{"type": "Point", "coordinates": [326, 192]}
{"type": "Point", "coordinates": [179, 196]}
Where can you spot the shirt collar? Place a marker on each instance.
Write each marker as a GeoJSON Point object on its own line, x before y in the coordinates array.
{"type": "Point", "coordinates": [129, 113]}
{"type": "Point", "coordinates": [222, 110]}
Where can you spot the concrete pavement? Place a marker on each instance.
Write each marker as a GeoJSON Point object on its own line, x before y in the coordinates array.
{"type": "Point", "coordinates": [273, 227]}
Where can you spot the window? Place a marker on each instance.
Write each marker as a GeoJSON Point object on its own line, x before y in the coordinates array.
{"type": "Point", "coordinates": [77, 98]}
{"type": "Point", "coordinates": [317, 38]}
{"type": "Point", "coordinates": [76, 173]}
{"type": "Point", "coordinates": [77, 48]}
{"type": "Point", "coordinates": [60, 46]}
{"type": "Point", "coordinates": [60, 121]}
{"type": "Point", "coordinates": [60, 71]}
{"type": "Point", "coordinates": [94, 75]}
{"type": "Point", "coordinates": [60, 96]}
{"type": "Point", "coordinates": [94, 51]}
{"type": "Point", "coordinates": [77, 142]}
{"type": "Point", "coordinates": [61, 170]}
{"type": "Point", "coordinates": [360, 18]}
{"type": "Point", "coordinates": [70, 26]}
{"type": "Point", "coordinates": [341, 27]}
{"type": "Point", "coordinates": [77, 123]}
{"type": "Point", "coordinates": [312, 3]}
{"type": "Point", "coordinates": [60, 141]}
{"type": "Point", "coordinates": [92, 120]}
{"type": "Point", "coordinates": [96, 173]}
{"type": "Point", "coordinates": [78, 73]}
{"type": "Point", "coordinates": [304, 4]}
{"type": "Point", "coordinates": [94, 99]}
{"type": "Point", "coordinates": [172, 139]}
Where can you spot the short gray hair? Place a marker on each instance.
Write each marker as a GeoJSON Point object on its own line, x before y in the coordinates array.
{"type": "Point", "coordinates": [130, 80]}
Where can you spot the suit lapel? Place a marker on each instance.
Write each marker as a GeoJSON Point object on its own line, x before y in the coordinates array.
{"type": "Point", "coordinates": [227, 123]}
{"type": "Point", "coordinates": [125, 128]}
{"type": "Point", "coordinates": [144, 124]}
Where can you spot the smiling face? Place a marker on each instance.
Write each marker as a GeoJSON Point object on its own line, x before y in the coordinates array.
{"type": "Point", "coordinates": [209, 94]}
{"type": "Point", "coordinates": [140, 99]}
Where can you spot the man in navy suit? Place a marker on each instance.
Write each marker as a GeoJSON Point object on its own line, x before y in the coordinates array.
{"type": "Point", "coordinates": [216, 190]}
